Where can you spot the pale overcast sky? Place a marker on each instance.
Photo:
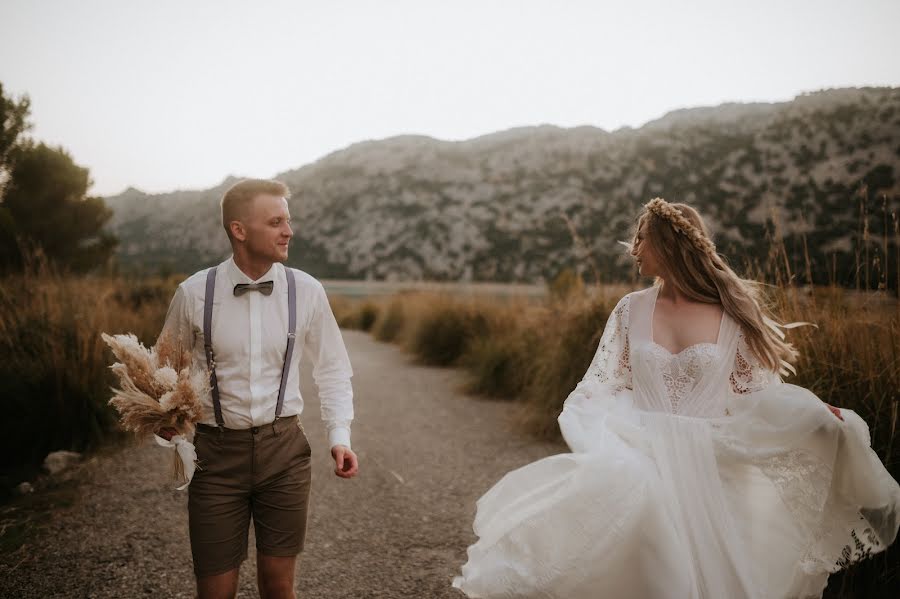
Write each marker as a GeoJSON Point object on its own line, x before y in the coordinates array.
{"type": "Point", "coordinates": [165, 95]}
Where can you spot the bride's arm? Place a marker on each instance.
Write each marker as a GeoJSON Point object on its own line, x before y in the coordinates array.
{"type": "Point", "coordinates": [608, 376]}
{"type": "Point", "coordinates": [748, 375]}
{"type": "Point", "coordinates": [612, 362]}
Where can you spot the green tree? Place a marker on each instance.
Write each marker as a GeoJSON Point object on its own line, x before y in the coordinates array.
{"type": "Point", "coordinates": [47, 203]}
{"type": "Point", "coordinates": [13, 122]}
{"type": "Point", "coordinates": [43, 200]}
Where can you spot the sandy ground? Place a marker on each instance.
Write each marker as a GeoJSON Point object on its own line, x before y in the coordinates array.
{"type": "Point", "coordinates": [400, 529]}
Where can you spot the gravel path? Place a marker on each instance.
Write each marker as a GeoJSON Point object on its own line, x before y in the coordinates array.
{"type": "Point", "coordinates": [400, 529]}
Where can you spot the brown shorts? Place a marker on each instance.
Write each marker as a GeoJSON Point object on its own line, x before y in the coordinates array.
{"type": "Point", "coordinates": [262, 471]}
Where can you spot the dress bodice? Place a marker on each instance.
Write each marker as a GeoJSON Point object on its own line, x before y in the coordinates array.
{"type": "Point", "coordinates": [679, 372]}
{"type": "Point", "coordinates": [700, 380]}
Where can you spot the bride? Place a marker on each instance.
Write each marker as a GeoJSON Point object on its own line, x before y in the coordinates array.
{"type": "Point", "coordinates": [695, 471]}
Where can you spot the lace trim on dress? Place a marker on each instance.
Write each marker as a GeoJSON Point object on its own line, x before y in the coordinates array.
{"type": "Point", "coordinates": [839, 535]}
{"type": "Point", "coordinates": [842, 538]}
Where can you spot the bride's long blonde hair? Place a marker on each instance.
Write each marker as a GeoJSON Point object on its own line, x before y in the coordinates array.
{"type": "Point", "coordinates": [681, 242]}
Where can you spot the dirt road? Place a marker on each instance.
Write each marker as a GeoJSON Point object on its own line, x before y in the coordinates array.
{"type": "Point", "coordinates": [400, 529]}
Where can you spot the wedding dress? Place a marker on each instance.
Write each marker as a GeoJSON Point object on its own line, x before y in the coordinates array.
{"type": "Point", "coordinates": [696, 475]}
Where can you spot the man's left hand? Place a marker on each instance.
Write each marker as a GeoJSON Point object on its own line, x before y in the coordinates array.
{"type": "Point", "coordinates": [346, 465]}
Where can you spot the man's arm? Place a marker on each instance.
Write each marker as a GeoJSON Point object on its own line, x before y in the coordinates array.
{"type": "Point", "coordinates": [332, 373]}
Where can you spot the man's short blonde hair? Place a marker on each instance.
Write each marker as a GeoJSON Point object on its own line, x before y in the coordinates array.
{"type": "Point", "coordinates": [238, 198]}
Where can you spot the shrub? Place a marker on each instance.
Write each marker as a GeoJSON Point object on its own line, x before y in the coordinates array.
{"type": "Point", "coordinates": [368, 314]}
{"type": "Point", "coordinates": [498, 365]}
{"type": "Point", "coordinates": [443, 330]}
{"type": "Point", "coordinates": [389, 324]}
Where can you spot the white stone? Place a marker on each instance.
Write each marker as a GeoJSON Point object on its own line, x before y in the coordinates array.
{"type": "Point", "coordinates": [58, 461]}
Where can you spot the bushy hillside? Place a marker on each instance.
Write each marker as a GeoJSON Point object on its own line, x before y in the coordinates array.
{"type": "Point", "coordinates": [496, 207]}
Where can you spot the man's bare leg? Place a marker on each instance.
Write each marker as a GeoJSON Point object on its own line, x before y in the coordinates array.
{"type": "Point", "coordinates": [275, 576]}
{"type": "Point", "coordinates": [219, 586]}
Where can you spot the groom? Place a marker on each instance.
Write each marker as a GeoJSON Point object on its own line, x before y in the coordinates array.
{"type": "Point", "coordinates": [242, 318]}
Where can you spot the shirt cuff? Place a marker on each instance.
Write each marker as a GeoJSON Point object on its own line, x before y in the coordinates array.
{"type": "Point", "coordinates": [339, 435]}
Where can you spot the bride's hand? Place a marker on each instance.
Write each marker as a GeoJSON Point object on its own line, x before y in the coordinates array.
{"type": "Point", "coordinates": [835, 411]}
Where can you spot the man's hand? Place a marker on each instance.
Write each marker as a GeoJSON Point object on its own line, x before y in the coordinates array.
{"type": "Point", "coordinates": [346, 464]}
{"type": "Point", "coordinates": [167, 433]}
{"type": "Point", "coordinates": [835, 411]}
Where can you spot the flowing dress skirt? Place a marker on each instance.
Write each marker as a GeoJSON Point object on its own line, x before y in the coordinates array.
{"type": "Point", "coordinates": [764, 503]}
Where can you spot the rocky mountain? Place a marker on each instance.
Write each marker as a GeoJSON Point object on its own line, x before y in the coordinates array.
{"type": "Point", "coordinates": [504, 206]}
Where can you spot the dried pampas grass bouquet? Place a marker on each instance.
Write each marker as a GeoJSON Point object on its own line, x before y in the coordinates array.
{"type": "Point", "coordinates": [158, 389]}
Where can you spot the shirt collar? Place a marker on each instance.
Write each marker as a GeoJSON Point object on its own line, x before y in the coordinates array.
{"type": "Point", "coordinates": [237, 276]}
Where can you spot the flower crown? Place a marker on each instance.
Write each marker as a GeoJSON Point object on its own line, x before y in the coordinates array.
{"type": "Point", "coordinates": [698, 239]}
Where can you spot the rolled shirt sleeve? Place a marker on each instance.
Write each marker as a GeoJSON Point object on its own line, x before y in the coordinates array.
{"type": "Point", "coordinates": [331, 369]}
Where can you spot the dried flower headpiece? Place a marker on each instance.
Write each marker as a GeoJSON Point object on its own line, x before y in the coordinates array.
{"type": "Point", "coordinates": [698, 239]}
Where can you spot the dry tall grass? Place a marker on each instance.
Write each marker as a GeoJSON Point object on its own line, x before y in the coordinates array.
{"type": "Point", "coordinates": [54, 376]}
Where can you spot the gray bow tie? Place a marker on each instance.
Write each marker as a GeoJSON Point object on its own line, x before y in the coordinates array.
{"type": "Point", "coordinates": [265, 288]}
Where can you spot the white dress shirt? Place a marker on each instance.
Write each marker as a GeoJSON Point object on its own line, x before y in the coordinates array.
{"type": "Point", "coordinates": [249, 340]}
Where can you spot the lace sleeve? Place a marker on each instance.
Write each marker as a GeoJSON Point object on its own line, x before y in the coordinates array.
{"type": "Point", "coordinates": [612, 363]}
{"type": "Point", "coordinates": [748, 375]}
{"type": "Point", "coordinates": [605, 384]}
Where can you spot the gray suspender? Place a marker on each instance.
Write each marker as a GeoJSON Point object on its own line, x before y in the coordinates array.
{"type": "Point", "coordinates": [292, 326]}
{"type": "Point", "coordinates": [207, 343]}
{"type": "Point", "coordinates": [210, 356]}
